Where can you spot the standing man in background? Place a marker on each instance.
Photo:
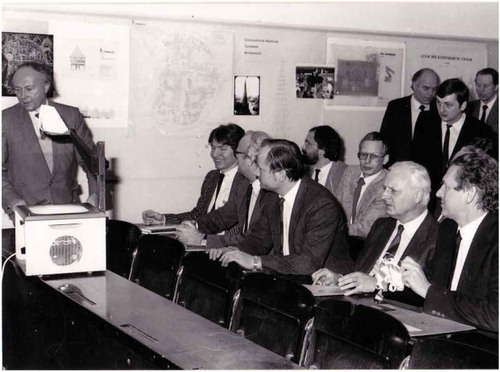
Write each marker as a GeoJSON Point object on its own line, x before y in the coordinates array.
{"type": "Point", "coordinates": [405, 116]}
{"type": "Point", "coordinates": [219, 184]}
{"type": "Point", "coordinates": [36, 167]}
{"type": "Point", "coordinates": [323, 150]}
{"type": "Point", "coordinates": [361, 188]}
{"type": "Point", "coordinates": [486, 107]}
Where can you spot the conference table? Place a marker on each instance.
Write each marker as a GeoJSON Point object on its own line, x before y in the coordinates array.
{"type": "Point", "coordinates": [104, 321]}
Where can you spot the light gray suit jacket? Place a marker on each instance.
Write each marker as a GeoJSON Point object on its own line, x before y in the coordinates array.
{"type": "Point", "coordinates": [492, 119]}
{"type": "Point", "coordinates": [370, 206]}
{"type": "Point", "coordinates": [25, 173]}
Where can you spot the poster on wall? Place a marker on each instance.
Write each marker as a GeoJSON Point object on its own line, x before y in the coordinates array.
{"type": "Point", "coordinates": [19, 48]}
{"type": "Point", "coordinates": [246, 95]}
{"type": "Point", "coordinates": [449, 60]}
{"type": "Point", "coordinates": [91, 70]}
{"type": "Point", "coordinates": [181, 77]}
{"type": "Point", "coordinates": [369, 73]}
{"type": "Point", "coordinates": [314, 81]}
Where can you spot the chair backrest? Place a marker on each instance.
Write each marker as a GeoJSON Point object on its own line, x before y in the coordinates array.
{"type": "Point", "coordinates": [156, 264]}
{"type": "Point", "coordinates": [121, 244]}
{"type": "Point", "coordinates": [348, 336]}
{"type": "Point", "coordinates": [273, 313]}
{"type": "Point", "coordinates": [438, 353]}
{"type": "Point", "coordinates": [356, 244]}
{"type": "Point", "coordinates": [207, 288]}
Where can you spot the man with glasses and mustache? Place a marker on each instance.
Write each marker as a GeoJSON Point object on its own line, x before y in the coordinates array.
{"type": "Point", "coordinates": [360, 190]}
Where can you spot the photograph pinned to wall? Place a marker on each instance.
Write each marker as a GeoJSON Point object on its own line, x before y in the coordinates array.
{"type": "Point", "coordinates": [19, 48]}
{"type": "Point", "coordinates": [314, 81]}
{"type": "Point", "coordinates": [246, 95]}
{"type": "Point", "coordinates": [369, 73]}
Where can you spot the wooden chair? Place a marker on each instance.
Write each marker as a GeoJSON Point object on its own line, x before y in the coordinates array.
{"type": "Point", "coordinates": [156, 264]}
{"type": "Point", "coordinates": [347, 336]}
{"type": "Point", "coordinates": [439, 353]}
{"type": "Point", "coordinates": [207, 288]}
{"type": "Point", "coordinates": [273, 313]}
{"type": "Point", "coordinates": [121, 244]}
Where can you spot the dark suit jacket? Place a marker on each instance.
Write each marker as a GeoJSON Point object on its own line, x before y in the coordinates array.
{"type": "Point", "coordinates": [25, 173]}
{"type": "Point", "coordinates": [317, 231]}
{"type": "Point", "coordinates": [207, 191]}
{"type": "Point", "coordinates": [476, 299]}
{"type": "Point", "coordinates": [492, 119]}
{"type": "Point", "coordinates": [431, 141]}
{"type": "Point", "coordinates": [421, 246]}
{"type": "Point", "coordinates": [396, 129]}
{"type": "Point", "coordinates": [233, 213]}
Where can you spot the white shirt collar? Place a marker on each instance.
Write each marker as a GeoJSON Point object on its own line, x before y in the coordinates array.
{"type": "Point", "coordinates": [256, 186]}
{"type": "Point", "coordinates": [323, 175]}
{"type": "Point", "coordinates": [491, 103]}
{"type": "Point", "coordinates": [369, 179]}
{"type": "Point", "coordinates": [415, 105]}
{"type": "Point", "coordinates": [412, 226]}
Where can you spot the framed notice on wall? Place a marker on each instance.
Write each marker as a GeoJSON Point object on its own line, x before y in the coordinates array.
{"type": "Point", "coordinates": [368, 73]}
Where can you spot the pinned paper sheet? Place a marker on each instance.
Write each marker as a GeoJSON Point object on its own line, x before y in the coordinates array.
{"type": "Point", "coordinates": [51, 122]}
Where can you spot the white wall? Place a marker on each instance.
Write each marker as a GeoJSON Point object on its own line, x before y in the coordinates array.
{"type": "Point", "coordinates": [151, 169]}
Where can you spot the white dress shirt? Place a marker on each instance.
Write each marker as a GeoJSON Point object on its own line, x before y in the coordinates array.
{"type": "Point", "coordinates": [253, 199]}
{"type": "Point", "coordinates": [323, 175]}
{"type": "Point", "coordinates": [225, 189]}
{"type": "Point", "coordinates": [454, 133]}
{"type": "Point", "coordinates": [289, 197]}
{"type": "Point", "coordinates": [467, 233]}
{"type": "Point", "coordinates": [490, 106]}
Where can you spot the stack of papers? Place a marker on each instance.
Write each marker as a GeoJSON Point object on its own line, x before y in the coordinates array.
{"type": "Point", "coordinates": [324, 290]}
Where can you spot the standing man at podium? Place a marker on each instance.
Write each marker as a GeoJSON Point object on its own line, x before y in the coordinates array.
{"type": "Point", "coordinates": [36, 167]}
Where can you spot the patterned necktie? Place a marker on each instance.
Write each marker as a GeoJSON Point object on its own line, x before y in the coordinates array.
{"type": "Point", "coordinates": [249, 197]}
{"type": "Point", "coordinates": [282, 202]}
{"type": "Point", "coordinates": [316, 176]}
{"type": "Point", "coordinates": [42, 133]}
{"type": "Point", "coordinates": [483, 116]}
{"type": "Point", "coordinates": [355, 199]}
{"type": "Point", "coordinates": [393, 247]}
{"type": "Point", "coordinates": [446, 146]}
{"type": "Point", "coordinates": [219, 183]}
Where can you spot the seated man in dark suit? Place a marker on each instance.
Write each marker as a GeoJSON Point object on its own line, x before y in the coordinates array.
{"type": "Point", "coordinates": [297, 233]}
{"type": "Point", "coordinates": [404, 117]}
{"type": "Point", "coordinates": [360, 189]}
{"type": "Point", "coordinates": [219, 184]}
{"type": "Point", "coordinates": [486, 107]}
{"type": "Point", "coordinates": [409, 231]}
{"type": "Point", "coordinates": [441, 141]}
{"type": "Point", "coordinates": [462, 283]}
{"type": "Point", "coordinates": [243, 210]}
{"type": "Point", "coordinates": [323, 150]}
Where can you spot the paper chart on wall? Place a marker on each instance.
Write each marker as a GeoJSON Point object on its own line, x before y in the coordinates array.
{"type": "Point", "coordinates": [91, 70]}
{"type": "Point", "coordinates": [181, 77]}
{"type": "Point", "coordinates": [367, 73]}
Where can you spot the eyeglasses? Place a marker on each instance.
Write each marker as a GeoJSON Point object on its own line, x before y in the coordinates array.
{"type": "Point", "coordinates": [364, 156]}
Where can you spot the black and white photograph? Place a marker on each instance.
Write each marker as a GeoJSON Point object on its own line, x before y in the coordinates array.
{"type": "Point", "coordinates": [246, 95]}
{"type": "Point", "coordinates": [233, 186]}
{"type": "Point", "coordinates": [314, 82]}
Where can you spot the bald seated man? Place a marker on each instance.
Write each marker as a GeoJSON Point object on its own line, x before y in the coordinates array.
{"type": "Point", "coordinates": [409, 231]}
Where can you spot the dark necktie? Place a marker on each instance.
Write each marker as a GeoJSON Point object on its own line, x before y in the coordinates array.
{"type": "Point", "coordinates": [282, 201]}
{"type": "Point", "coordinates": [316, 175]}
{"type": "Point", "coordinates": [393, 247]}
{"type": "Point", "coordinates": [249, 197]}
{"type": "Point", "coordinates": [483, 116]}
{"type": "Point", "coordinates": [42, 133]}
{"type": "Point", "coordinates": [219, 183]}
{"type": "Point", "coordinates": [458, 240]}
{"type": "Point", "coordinates": [446, 146]}
{"type": "Point", "coordinates": [355, 199]}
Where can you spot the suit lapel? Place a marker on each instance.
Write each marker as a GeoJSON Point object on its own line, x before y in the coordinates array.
{"type": "Point", "coordinates": [477, 251]}
{"type": "Point", "coordinates": [419, 238]}
{"type": "Point", "coordinates": [297, 207]}
{"type": "Point", "coordinates": [379, 242]}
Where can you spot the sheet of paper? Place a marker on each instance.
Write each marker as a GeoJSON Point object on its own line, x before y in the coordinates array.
{"type": "Point", "coordinates": [324, 290]}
